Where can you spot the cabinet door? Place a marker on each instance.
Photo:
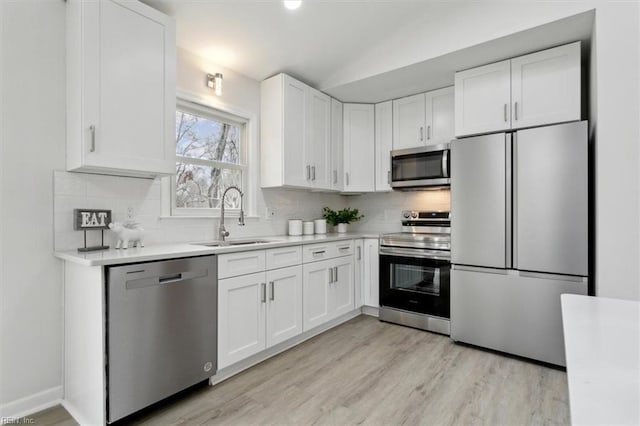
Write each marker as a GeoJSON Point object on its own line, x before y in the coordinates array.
{"type": "Point", "coordinates": [439, 112]}
{"type": "Point", "coordinates": [545, 86]}
{"type": "Point", "coordinates": [319, 139]}
{"type": "Point", "coordinates": [337, 164]}
{"type": "Point", "coordinates": [482, 99]}
{"type": "Point", "coordinates": [359, 148]}
{"type": "Point", "coordinates": [127, 105]}
{"type": "Point", "coordinates": [296, 167]}
{"type": "Point", "coordinates": [284, 308]}
{"type": "Point", "coordinates": [371, 273]}
{"type": "Point", "coordinates": [342, 287]}
{"type": "Point", "coordinates": [408, 122]}
{"type": "Point", "coordinates": [384, 145]}
{"type": "Point", "coordinates": [241, 317]}
{"type": "Point", "coordinates": [315, 292]}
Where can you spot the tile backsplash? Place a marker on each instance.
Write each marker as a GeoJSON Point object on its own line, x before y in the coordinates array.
{"type": "Point", "coordinates": [90, 191]}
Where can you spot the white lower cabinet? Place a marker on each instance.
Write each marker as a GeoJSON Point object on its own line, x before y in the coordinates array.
{"type": "Point", "coordinates": [284, 305]}
{"type": "Point", "coordinates": [328, 290]}
{"type": "Point", "coordinates": [257, 311]}
{"type": "Point", "coordinates": [241, 317]}
{"type": "Point", "coordinates": [371, 272]}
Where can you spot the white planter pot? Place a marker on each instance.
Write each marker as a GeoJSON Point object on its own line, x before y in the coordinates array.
{"type": "Point", "coordinates": [341, 228]}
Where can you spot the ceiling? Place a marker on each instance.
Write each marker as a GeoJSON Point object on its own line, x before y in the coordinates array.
{"type": "Point", "coordinates": [260, 38]}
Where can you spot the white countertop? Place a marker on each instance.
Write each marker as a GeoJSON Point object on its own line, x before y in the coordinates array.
{"type": "Point", "coordinates": [172, 251]}
{"type": "Point", "coordinates": [602, 343]}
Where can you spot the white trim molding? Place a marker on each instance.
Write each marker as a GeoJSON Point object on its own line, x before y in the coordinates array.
{"type": "Point", "coordinates": [32, 404]}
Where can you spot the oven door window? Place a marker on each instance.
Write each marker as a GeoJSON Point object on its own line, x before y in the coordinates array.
{"type": "Point", "coordinates": [427, 165]}
{"type": "Point", "coordinates": [422, 279]}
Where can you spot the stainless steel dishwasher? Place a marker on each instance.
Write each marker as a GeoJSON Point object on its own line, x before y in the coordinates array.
{"type": "Point", "coordinates": [161, 330]}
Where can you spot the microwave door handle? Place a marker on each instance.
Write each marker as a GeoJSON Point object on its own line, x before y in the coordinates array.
{"type": "Point", "coordinates": [445, 163]}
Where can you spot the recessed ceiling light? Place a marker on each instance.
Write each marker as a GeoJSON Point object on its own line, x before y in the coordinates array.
{"type": "Point", "coordinates": [292, 4]}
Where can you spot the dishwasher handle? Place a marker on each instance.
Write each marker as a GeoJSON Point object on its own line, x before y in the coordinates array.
{"type": "Point", "coordinates": [173, 278]}
{"type": "Point", "coordinates": [158, 280]}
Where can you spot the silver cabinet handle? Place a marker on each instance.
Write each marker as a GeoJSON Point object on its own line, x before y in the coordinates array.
{"type": "Point", "coordinates": [505, 113]}
{"type": "Point", "coordinates": [335, 274]}
{"type": "Point", "coordinates": [92, 129]}
{"type": "Point", "coordinates": [515, 111]}
{"type": "Point", "coordinates": [273, 290]}
{"type": "Point", "coordinates": [421, 133]}
{"type": "Point", "coordinates": [308, 172]}
{"type": "Point", "coordinates": [347, 178]}
{"type": "Point", "coordinates": [359, 252]}
{"type": "Point", "coordinates": [389, 177]}
{"type": "Point", "coordinates": [330, 275]}
{"type": "Point", "coordinates": [428, 132]}
{"type": "Point", "coordinates": [264, 292]}
{"type": "Point", "coordinates": [313, 172]}
{"type": "Point", "coordinates": [335, 176]}
{"type": "Point", "coordinates": [318, 252]}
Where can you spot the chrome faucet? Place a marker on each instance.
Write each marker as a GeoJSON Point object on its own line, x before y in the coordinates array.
{"type": "Point", "coordinates": [222, 232]}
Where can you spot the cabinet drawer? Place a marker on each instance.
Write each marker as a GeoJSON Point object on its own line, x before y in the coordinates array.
{"type": "Point", "coordinates": [315, 252]}
{"type": "Point", "coordinates": [283, 256]}
{"type": "Point", "coordinates": [246, 262]}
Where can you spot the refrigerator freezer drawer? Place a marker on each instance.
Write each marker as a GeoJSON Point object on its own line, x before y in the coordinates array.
{"type": "Point", "coordinates": [511, 311]}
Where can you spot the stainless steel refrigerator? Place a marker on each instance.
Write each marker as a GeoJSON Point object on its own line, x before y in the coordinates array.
{"type": "Point", "coordinates": [519, 237]}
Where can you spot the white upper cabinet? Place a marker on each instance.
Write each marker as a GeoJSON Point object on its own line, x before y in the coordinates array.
{"type": "Point", "coordinates": [121, 88]}
{"type": "Point", "coordinates": [337, 163]}
{"type": "Point", "coordinates": [384, 145]}
{"type": "Point", "coordinates": [532, 90]}
{"type": "Point", "coordinates": [483, 99]}
{"type": "Point", "coordinates": [408, 122]}
{"type": "Point", "coordinates": [295, 135]}
{"type": "Point", "coordinates": [359, 148]}
{"type": "Point", "coordinates": [424, 119]}
{"type": "Point", "coordinates": [319, 140]}
{"type": "Point", "coordinates": [545, 87]}
{"type": "Point", "coordinates": [440, 114]}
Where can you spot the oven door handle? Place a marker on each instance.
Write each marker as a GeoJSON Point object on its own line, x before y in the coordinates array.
{"type": "Point", "coordinates": [409, 252]}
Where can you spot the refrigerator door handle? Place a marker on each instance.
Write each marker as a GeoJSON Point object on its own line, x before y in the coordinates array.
{"type": "Point", "coordinates": [514, 201]}
{"type": "Point", "coordinates": [509, 231]}
{"type": "Point", "coordinates": [548, 275]}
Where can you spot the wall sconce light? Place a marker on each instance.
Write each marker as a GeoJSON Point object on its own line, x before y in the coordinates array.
{"type": "Point", "coordinates": [215, 82]}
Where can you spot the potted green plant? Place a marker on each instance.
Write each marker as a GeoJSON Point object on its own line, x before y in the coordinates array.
{"type": "Point", "coordinates": [341, 218]}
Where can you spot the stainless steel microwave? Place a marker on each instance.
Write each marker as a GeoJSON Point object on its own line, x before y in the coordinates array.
{"type": "Point", "coordinates": [421, 167]}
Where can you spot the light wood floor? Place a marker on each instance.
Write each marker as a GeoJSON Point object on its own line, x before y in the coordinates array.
{"type": "Point", "coordinates": [369, 372]}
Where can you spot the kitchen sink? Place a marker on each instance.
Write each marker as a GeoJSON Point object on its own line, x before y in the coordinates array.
{"type": "Point", "coordinates": [233, 243]}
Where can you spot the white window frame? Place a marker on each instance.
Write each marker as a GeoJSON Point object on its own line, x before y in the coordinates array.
{"type": "Point", "coordinates": [210, 107]}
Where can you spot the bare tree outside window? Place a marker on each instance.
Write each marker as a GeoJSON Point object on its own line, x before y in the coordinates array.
{"type": "Point", "coordinates": [208, 161]}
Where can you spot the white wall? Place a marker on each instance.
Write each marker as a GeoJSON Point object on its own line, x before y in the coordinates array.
{"type": "Point", "coordinates": [617, 154]}
{"type": "Point", "coordinates": [33, 145]}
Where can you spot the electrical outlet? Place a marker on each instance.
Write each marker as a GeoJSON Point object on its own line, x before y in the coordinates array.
{"type": "Point", "coordinates": [269, 213]}
{"type": "Point", "coordinates": [131, 214]}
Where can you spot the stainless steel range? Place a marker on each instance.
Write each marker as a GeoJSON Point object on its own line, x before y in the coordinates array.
{"type": "Point", "coordinates": [414, 272]}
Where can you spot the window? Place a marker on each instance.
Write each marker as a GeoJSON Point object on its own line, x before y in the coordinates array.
{"type": "Point", "coordinates": [210, 157]}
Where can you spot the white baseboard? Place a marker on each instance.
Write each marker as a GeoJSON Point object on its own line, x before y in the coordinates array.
{"type": "Point", "coordinates": [370, 310]}
{"type": "Point", "coordinates": [32, 404]}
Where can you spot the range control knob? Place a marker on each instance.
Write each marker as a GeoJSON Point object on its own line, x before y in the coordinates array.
{"type": "Point", "coordinates": [414, 215]}
{"type": "Point", "coordinates": [406, 214]}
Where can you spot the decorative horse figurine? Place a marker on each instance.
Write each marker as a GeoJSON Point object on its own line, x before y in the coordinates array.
{"type": "Point", "coordinates": [127, 233]}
